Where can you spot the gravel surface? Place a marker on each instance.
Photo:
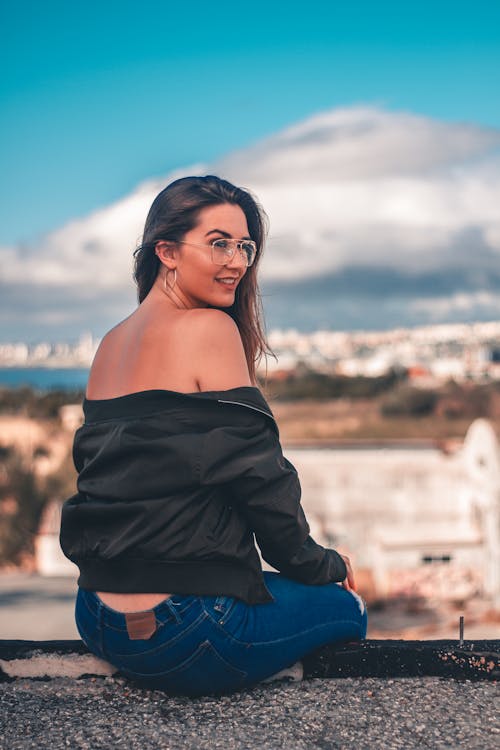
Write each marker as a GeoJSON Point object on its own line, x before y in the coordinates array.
{"type": "Point", "coordinates": [361, 713]}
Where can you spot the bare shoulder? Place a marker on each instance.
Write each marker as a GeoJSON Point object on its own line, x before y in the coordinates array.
{"type": "Point", "coordinates": [211, 321]}
{"type": "Point", "coordinates": [108, 340]}
{"type": "Point", "coordinates": [217, 349]}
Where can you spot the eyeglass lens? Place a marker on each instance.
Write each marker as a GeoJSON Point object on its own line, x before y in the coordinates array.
{"type": "Point", "coordinates": [223, 250]}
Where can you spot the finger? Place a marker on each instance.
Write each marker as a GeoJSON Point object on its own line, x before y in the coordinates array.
{"type": "Point", "coordinates": [352, 582]}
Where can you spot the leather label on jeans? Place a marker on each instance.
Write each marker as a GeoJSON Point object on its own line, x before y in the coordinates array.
{"type": "Point", "coordinates": [140, 625]}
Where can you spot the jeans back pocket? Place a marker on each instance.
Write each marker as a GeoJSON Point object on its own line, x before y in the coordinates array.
{"type": "Point", "coordinates": [204, 672]}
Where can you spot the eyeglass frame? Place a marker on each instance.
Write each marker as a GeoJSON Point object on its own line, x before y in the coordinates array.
{"type": "Point", "coordinates": [225, 239]}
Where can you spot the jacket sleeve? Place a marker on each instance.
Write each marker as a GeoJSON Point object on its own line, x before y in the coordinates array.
{"type": "Point", "coordinates": [248, 461]}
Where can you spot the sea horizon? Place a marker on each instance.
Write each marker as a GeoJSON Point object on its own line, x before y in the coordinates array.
{"type": "Point", "coordinates": [45, 378]}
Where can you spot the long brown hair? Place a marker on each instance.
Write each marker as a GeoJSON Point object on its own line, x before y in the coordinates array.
{"type": "Point", "coordinates": [173, 213]}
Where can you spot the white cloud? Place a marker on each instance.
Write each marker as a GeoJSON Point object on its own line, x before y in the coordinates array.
{"type": "Point", "coordinates": [362, 185]}
{"type": "Point", "coordinates": [348, 187]}
{"type": "Point", "coordinates": [492, 235]}
{"type": "Point", "coordinates": [474, 303]}
{"type": "Point", "coordinates": [358, 143]}
{"type": "Point", "coordinates": [95, 250]}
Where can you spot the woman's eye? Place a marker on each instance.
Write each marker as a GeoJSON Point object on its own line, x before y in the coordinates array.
{"type": "Point", "coordinates": [221, 243]}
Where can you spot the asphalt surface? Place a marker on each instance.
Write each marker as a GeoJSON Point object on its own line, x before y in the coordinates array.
{"type": "Point", "coordinates": [24, 596]}
{"type": "Point", "coordinates": [362, 713]}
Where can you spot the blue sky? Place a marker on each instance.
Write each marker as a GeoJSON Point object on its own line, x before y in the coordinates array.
{"type": "Point", "coordinates": [96, 97]}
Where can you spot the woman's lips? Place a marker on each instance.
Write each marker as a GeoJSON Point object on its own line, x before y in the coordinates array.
{"type": "Point", "coordinates": [229, 285]}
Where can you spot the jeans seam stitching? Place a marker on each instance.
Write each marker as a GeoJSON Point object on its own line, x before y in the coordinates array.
{"type": "Point", "coordinates": [239, 673]}
{"type": "Point", "coordinates": [224, 617]}
{"type": "Point", "coordinates": [286, 638]}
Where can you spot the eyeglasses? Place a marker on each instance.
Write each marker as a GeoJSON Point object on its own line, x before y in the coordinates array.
{"type": "Point", "coordinates": [223, 250]}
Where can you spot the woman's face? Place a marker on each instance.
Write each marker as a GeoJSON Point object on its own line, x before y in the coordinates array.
{"type": "Point", "coordinates": [198, 277]}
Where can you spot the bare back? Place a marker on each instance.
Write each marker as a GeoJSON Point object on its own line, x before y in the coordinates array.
{"type": "Point", "coordinates": [138, 354]}
{"type": "Point", "coordinates": [145, 352]}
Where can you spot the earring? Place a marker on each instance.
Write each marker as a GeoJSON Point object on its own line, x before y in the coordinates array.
{"type": "Point", "coordinates": [165, 279]}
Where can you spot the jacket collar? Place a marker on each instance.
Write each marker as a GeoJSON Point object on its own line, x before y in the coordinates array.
{"type": "Point", "coordinates": [145, 402]}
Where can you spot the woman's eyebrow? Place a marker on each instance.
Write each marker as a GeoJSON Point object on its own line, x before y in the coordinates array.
{"type": "Point", "coordinates": [225, 234]}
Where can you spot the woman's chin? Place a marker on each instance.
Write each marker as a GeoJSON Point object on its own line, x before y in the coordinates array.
{"type": "Point", "coordinates": [226, 298]}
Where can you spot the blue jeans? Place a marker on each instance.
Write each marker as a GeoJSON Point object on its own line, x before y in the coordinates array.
{"type": "Point", "coordinates": [218, 644]}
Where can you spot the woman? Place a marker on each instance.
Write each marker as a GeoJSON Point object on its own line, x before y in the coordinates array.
{"type": "Point", "coordinates": [180, 466]}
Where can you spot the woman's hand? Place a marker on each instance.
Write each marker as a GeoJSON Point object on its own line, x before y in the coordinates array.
{"type": "Point", "coordinates": [348, 583]}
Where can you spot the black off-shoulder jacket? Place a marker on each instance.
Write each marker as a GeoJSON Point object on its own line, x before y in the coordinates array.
{"type": "Point", "coordinates": [175, 488]}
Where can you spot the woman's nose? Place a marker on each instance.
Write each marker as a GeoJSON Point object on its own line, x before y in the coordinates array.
{"type": "Point", "coordinates": [239, 259]}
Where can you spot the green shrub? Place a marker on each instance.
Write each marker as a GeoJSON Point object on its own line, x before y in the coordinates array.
{"type": "Point", "coordinates": [307, 383]}
{"type": "Point", "coordinates": [28, 402]}
{"type": "Point", "coordinates": [409, 401]}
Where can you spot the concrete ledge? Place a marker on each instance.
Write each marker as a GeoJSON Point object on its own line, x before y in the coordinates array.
{"type": "Point", "coordinates": [47, 659]}
{"type": "Point", "coordinates": [479, 660]}
{"type": "Point", "coordinates": [472, 660]}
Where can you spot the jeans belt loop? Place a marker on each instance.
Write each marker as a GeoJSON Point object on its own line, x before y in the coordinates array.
{"type": "Point", "coordinates": [173, 611]}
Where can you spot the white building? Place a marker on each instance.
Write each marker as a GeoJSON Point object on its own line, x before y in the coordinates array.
{"type": "Point", "coordinates": [420, 520]}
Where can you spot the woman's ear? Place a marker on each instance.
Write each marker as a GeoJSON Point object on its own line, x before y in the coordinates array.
{"type": "Point", "coordinates": [166, 250]}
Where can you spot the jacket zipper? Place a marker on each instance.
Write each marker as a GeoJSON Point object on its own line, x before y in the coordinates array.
{"type": "Point", "coordinates": [255, 408]}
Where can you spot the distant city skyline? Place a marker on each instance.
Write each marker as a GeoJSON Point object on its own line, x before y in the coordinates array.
{"type": "Point", "coordinates": [430, 355]}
